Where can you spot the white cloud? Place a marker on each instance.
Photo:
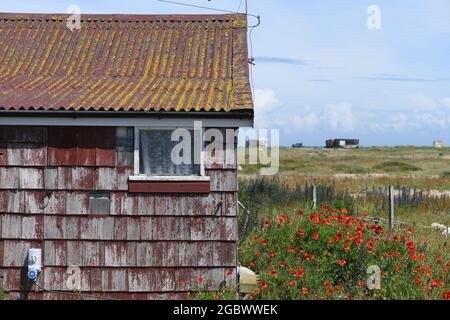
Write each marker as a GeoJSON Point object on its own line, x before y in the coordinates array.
{"type": "Point", "coordinates": [339, 117]}
{"type": "Point", "coordinates": [266, 99]}
{"type": "Point", "coordinates": [445, 102]}
{"type": "Point", "coordinates": [422, 101]}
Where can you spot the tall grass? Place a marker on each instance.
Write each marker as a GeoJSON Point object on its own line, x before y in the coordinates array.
{"type": "Point", "coordinates": [262, 195]}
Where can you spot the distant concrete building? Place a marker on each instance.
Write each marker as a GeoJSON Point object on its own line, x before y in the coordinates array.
{"type": "Point", "coordinates": [342, 143]}
{"type": "Point", "coordinates": [438, 144]}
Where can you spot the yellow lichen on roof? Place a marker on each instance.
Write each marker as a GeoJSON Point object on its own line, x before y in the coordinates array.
{"type": "Point", "coordinates": [133, 63]}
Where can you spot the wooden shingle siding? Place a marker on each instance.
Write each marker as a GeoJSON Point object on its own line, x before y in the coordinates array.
{"type": "Point", "coordinates": [72, 201]}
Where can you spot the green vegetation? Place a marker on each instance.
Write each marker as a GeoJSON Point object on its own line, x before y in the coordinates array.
{"type": "Point", "coordinates": [3, 294]}
{"type": "Point", "coordinates": [311, 254]}
{"type": "Point", "coordinates": [395, 166]}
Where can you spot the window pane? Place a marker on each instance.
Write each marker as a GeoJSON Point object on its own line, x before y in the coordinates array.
{"type": "Point", "coordinates": [155, 155]}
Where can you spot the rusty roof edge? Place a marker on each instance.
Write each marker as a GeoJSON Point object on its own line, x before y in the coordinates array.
{"type": "Point", "coordinates": [241, 114]}
{"type": "Point", "coordinates": [126, 17]}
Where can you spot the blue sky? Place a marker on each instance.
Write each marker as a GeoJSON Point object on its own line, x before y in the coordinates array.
{"type": "Point", "coordinates": [321, 73]}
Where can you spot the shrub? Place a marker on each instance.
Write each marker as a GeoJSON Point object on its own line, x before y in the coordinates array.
{"type": "Point", "coordinates": [395, 166]}
{"type": "Point", "coordinates": [445, 174]}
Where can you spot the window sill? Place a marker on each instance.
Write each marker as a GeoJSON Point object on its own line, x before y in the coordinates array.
{"type": "Point", "coordinates": [169, 185]}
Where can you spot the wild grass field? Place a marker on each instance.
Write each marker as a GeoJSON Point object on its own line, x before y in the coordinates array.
{"type": "Point", "coordinates": [305, 252]}
{"type": "Point", "coordinates": [364, 174]}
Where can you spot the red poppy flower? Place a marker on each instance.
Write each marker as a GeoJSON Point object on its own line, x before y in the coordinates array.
{"type": "Point", "coordinates": [365, 214]}
{"type": "Point", "coordinates": [314, 218]}
{"type": "Point", "coordinates": [446, 295]}
{"type": "Point", "coordinates": [409, 231]}
{"type": "Point", "coordinates": [251, 264]}
{"type": "Point", "coordinates": [327, 284]}
{"type": "Point", "coordinates": [330, 291]}
{"type": "Point", "coordinates": [282, 264]}
{"type": "Point", "coordinates": [301, 232]}
{"type": "Point", "coordinates": [299, 212]}
{"type": "Point", "coordinates": [266, 223]}
{"type": "Point", "coordinates": [305, 291]}
{"type": "Point", "coordinates": [435, 283]}
{"type": "Point", "coordinates": [345, 211]}
{"type": "Point", "coordinates": [362, 284]}
{"type": "Point", "coordinates": [324, 207]}
{"type": "Point", "coordinates": [293, 283]}
{"type": "Point", "coordinates": [342, 262]}
{"type": "Point", "coordinates": [315, 236]}
{"type": "Point", "coordinates": [200, 279]}
{"type": "Point", "coordinates": [272, 253]}
{"type": "Point", "coordinates": [257, 253]}
{"type": "Point", "coordinates": [265, 242]}
{"type": "Point", "coordinates": [263, 284]}
{"type": "Point", "coordinates": [298, 273]}
{"type": "Point", "coordinates": [273, 273]}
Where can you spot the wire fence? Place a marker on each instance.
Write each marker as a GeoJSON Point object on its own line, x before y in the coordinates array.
{"type": "Point", "coordinates": [265, 194]}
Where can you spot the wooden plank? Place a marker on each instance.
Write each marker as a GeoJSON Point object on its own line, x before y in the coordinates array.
{"type": "Point", "coordinates": [114, 280]}
{"type": "Point", "coordinates": [64, 178]}
{"type": "Point", "coordinates": [77, 203]}
{"type": "Point", "coordinates": [16, 252]}
{"type": "Point", "coordinates": [9, 178]}
{"type": "Point", "coordinates": [23, 134]}
{"type": "Point", "coordinates": [223, 180]}
{"type": "Point", "coordinates": [169, 187]}
{"type": "Point", "coordinates": [230, 204]}
{"type": "Point", "coordinates": [51, 178]}
{"type": "Point", "coordinates": [106, 179]}
{"type": "Point", "coordinates": [122, 177]}
{"type": "Point", "coordinates": [146, 205]}
{"type": "Point", "coordinates": [83, 178]}
{"type": "Point", "coordinates": [32, 227]}
{"type": "Point", "coordinates": [55, 203]}
{"type": "Point", "coordinates": [34, 201]}
{"type": "Point", "coordinates": [115, 254]}
{"type": "Point", "coordinates": [3, 154]}
{"type": "Point", "coordinates": [27, 154]}
{"type": "Point", "coordinates": [16, 201]}
{"type": "Point", "coordinates": [11, 226]}
{"type": "Point", "coordinates": [86, 146]}
{"type": "Point", "coordinates": [105, 138]}
{"type": "Point", "coordinates": [62, 146]}
{"type": "Point", "coordinates": [4, 199]}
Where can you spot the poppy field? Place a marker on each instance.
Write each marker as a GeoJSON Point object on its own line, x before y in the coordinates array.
{"type": "Point", "coordinates": [332, 253]}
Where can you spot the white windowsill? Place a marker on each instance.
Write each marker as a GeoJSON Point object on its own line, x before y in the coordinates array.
{"type": "Point", "coordinates": [169, 178]}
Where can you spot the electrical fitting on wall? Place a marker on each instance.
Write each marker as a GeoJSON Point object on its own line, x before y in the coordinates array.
{"type": "Point", "coordinates": [34, 263]}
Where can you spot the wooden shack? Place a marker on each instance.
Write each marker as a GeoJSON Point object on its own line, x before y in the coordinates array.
{"type": "Point", "coordinates": [342, 143]}
{"type": "Point", "coordinates": [85, 171]}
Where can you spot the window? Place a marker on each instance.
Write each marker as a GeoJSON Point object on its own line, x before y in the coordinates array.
{"type": "Point", "coordinates": [163, 153]}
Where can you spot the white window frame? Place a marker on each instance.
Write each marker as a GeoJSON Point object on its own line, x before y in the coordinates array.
{"type": "Point", "coordinates": [145, 177]}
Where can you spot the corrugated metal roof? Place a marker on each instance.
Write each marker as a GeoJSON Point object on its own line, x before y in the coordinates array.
{"type": "Point", "coordinates": [124, 62]}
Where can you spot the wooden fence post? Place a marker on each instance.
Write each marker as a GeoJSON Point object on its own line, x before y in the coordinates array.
{"type": "Point", "coordinates": [391, 207]}
{"type": "Point", "coordinates": [314, 196]}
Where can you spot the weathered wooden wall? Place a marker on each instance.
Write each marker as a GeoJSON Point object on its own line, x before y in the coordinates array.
{"type": "Point", "coordinates": [65, 190]}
